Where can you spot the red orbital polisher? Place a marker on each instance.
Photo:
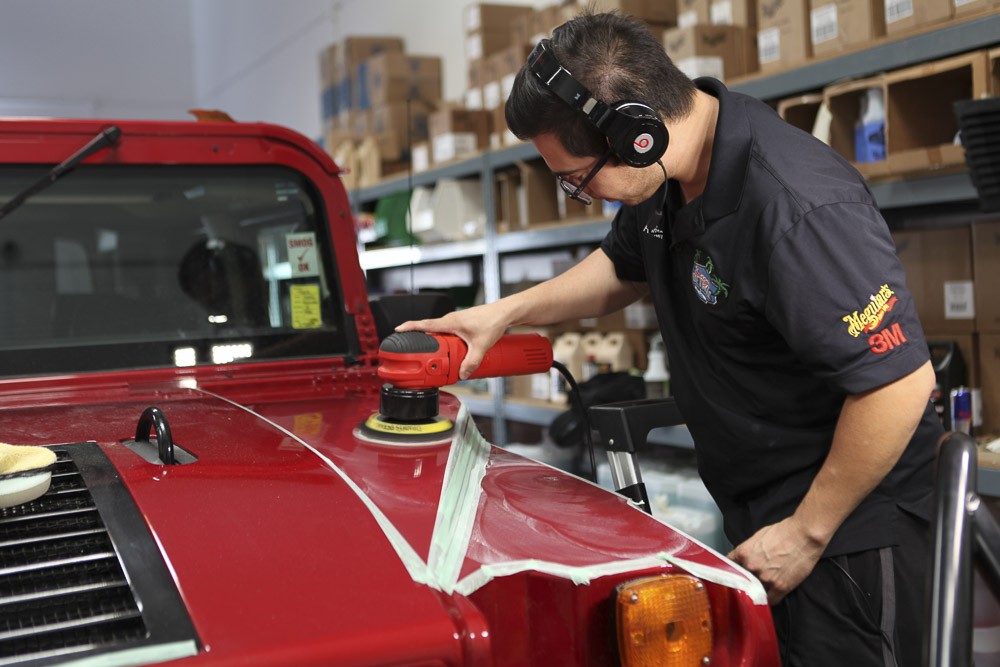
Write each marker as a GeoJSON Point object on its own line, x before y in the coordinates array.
{"type": "Point", "coordinates": [414, 364]}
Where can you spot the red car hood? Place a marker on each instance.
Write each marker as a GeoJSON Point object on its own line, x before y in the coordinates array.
{"type": "Point", "coordinates": [293, 530]}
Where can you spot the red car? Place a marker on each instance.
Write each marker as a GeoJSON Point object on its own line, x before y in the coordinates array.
{"type": "Point", "coordinates": [184, 321]}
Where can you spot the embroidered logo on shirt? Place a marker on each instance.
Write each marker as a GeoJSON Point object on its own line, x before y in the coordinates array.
{"type": "Point", "coordinates": [654, 230]}
{"type": "Point", "coordinates": [889, 339]}
{"type": "Point", "coordinates": [707, 285]}
{"type": "Point", "coordinates": [870, 319]}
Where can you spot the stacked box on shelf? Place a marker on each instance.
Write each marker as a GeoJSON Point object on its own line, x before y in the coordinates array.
{"type": "Point", "coordinates": [993, 58]}
{"type": "Point", "coordinates": [337, 65]}
{"type": "Point", "coordinates": [708, 50]}
{"type": "Point", "coordinates": [921, 127]}
{"type": "Point", "coordinates": [456, 132]}
{"type": "Point", "coordinates": [501, 68]}
{"type": "Point", "coordinates": [905, 16]}
{"type": "Point", "coordinates": [655, 12]}
{"type": "Point", "coordinates": [693, 12]}
{"type": "Point", "coordinates": [783, 40]}
{"type": "Point", "coordinates": [742, 14]}
{"type": "Point", "coordinates": [487, 27]}
{"type": "Point", "coordinates": [844, 25]}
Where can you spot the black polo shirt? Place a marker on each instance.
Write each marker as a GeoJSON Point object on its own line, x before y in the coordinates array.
{"type": "Point", "coordinates": [778, 293]}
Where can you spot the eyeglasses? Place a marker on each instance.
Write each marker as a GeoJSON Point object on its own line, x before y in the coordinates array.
{"type": "Point", "coordinates": [576, 191]}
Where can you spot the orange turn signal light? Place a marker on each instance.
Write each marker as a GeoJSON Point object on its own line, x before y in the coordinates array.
{"type": "Point", "coordinates": [664, 621]}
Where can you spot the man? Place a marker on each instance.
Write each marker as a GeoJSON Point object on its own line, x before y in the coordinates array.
{"type": "Point", "coordinates": [797, 358]}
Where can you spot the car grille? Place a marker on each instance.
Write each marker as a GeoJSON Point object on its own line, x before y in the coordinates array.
{"type": "Point", "coordinates": [63, 585]}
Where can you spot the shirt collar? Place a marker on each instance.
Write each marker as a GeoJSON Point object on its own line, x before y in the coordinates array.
{"type": "Point", "coordinates": [727, 173]}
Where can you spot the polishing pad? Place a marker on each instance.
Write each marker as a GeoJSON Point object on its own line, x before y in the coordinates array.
{"type": "Point", "coordinates": [25, 473]}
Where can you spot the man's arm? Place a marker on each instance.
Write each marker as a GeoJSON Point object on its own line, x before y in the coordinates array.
{"type": "Point", "coordinates": [872, 432]}
{"type": "Point", "coordinates": [589, 289]}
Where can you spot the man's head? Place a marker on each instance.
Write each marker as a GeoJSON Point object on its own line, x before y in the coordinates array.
{"type": "Point", "coordinates": [618, 59]}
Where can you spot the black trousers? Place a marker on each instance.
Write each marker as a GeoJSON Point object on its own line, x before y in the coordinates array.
{"type": "Point", "coordinates": [862, 609]}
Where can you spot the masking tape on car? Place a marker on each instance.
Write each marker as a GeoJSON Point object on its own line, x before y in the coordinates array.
{"type": "Point", "coordinates": [460, 491]}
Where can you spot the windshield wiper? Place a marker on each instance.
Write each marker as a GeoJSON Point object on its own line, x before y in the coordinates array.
{"type": "Point", "coordinates": [106, 138]}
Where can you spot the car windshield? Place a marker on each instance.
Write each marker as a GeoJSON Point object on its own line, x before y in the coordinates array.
{"type": "Point", "coordinates": [120, 267]}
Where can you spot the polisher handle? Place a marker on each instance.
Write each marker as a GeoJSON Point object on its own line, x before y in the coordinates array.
{"type": "Point", "coordinates": [418, 359]}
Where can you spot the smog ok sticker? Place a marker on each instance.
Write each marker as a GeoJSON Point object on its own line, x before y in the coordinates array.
{"type": "Point", "coordinates": [302, 254]}
{"type": "Point", "coordinates": [305, 306]}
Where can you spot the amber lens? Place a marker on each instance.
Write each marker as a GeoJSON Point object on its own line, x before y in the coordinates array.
{"type": "Point", "coordinates": [664, 622]}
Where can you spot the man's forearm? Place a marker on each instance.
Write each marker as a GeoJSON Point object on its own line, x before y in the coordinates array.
{"type": "Point", "coordinates": [872, 432]}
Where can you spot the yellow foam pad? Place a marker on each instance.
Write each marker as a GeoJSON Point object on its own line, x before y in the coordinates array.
{"type": "Point", "coordinates": [16, 458]}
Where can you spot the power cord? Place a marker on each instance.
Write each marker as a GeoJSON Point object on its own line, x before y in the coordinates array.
{"type": "Point", "coordinates": [577, 399]}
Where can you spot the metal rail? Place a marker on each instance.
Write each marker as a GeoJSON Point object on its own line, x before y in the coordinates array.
{"type": "Point", "coordinates": [965, 534]}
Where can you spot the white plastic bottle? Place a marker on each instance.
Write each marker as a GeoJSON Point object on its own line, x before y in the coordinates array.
{"type": "Point", "coordinates": [869, 130]}
{"type": "Point", "coordinates": [656, 377]}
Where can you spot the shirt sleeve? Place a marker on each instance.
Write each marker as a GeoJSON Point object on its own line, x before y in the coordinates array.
{"type": "Point", "coordinates": [622, 247]}
{"type": "Point", "coordinates": [837, 293]}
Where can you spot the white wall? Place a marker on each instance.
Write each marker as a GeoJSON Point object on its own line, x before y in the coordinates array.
{"type": "Point", "coordinates": [256, 59]}
{"type": "Point", "coordinates": [259, 59]}
{"type": "Point", "coordinates": [99, 58]}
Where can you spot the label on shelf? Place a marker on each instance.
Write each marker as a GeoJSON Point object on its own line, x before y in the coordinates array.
{"type": "Point", "coordinates": [685, 19]}
{"type": "Point", "coordinates": [769, 45]}
{"type": "Point", "coordinates": [823, 21]}
{"type": "Point", "coordinates": [897, 10]}
{"type": "Point", "coordinates": [722, 12]}
{"type": "Point", "coordinates": [959, 300]}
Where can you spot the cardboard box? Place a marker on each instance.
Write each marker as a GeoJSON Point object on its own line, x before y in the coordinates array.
{"type": "Point", "coordinates": [707, 50]}
{"type": "Point", "coordinates": [986, 271]}
{"type": "Point", "coordinates": [520, 30]}
{"type": "Point", "coordinates": [397, 77]}
{"type": "Point", "coordinates": [841, 25]}
{"type": "Point", "coordinates": [903, 16]}
{"type": "Point", "coordinates": [650, 11]}
{"type": "Point", "coordinates": [501, 68]}
{"type": "Point", "coordinates": [734, 12]}
{"type": "Point", "coordinates": [844, 102]}
{"type": "Point", "coordinates": [920, 118]}
{"type": "Point", "coordinates": [505, 184]}
{"type": "Point", "coordinates": [993, 56]}
{"type": "Point", "coordinates": [938, 265]}
{"type": "Point", "coordinates": [544, 20]}
{"type": "Point", "coordinates": [969, 7]}
{"type": "Point", "coordinates": [337, 64]}
{"type": "Point", "coordinates": [397, 123]}
{"type": "Point", "coordinates": [536, 194]}
{"type": "Point", "coordinates": [989, 380]}
{"type": "Point", "coordinates": [482, 15]}
{"type": "Point", "coordinates": [451, 120]}
{"type": "Point", "coordinates": [801, 110]}
{"type": "Point", "coordinates": [483, 43]}
{"type": "Point", "coordinates": [783, 40]}
{"type": "Point", "coordinates": [693, 12]}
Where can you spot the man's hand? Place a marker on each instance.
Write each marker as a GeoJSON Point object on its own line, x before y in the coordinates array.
{"type": "Point", "coordinates": [480, 327]}
{"type": "Point", "coordinates": [781, 555]}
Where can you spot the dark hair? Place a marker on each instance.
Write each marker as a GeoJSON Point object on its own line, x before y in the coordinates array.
{"type": "Point", "coordinates": [618, 59]}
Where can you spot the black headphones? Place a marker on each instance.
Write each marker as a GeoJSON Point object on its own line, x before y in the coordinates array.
{"type": "Point", "coordinates": [634, 130]}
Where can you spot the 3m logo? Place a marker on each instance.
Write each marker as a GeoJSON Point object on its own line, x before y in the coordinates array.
{"type": "Point", "coordinates": [887, 340]}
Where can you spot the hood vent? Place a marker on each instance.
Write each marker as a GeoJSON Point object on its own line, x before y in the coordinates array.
{"type": "Point", "coordinates": [64, 591]}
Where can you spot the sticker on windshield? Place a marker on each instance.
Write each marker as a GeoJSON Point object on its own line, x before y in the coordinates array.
{"type": "Point", "coordinates": [305, 306]}
{"type": "Point", "coordinates": [302, 254]}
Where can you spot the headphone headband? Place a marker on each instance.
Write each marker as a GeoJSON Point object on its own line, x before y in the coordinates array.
{"type": "Point", "coordinates": [634, 130]}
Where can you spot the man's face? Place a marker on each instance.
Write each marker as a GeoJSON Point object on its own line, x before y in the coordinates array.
{"type": "Point", "coordinates": [614, 181]}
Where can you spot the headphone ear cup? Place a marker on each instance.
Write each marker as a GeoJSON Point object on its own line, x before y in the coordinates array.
{"type": "Point", "coordinates": [642, 138]}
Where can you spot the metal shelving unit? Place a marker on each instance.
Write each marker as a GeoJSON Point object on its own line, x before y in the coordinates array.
{"type": "Point", "coordinates": [946, 188]}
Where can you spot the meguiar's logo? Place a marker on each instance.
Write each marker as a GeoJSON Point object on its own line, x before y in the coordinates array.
{"type": "Point", "coordinates": [707, 285]}
{"type": "Point", "coordinates": [870, 319]}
